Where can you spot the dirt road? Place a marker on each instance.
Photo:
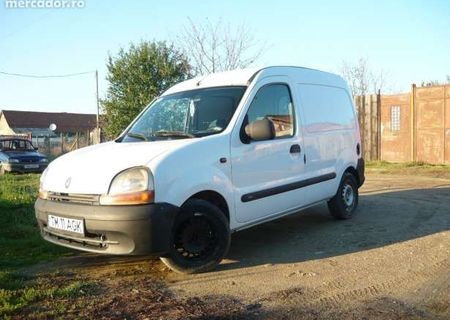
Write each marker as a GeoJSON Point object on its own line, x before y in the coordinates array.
{"type": "Point", "coordinates": [391, 261]}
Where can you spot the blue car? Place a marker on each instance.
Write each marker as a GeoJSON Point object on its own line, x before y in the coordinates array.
{"type": "Point", "coordinates": [19, 155]}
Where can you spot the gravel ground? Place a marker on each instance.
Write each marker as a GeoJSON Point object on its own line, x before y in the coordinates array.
{"type": "Point", "coordinates": [391, 261]}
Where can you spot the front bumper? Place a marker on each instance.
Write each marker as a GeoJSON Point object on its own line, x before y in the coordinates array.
{"type": "Point", "coordinates": [25, 167]}
{"type": "Point", "coordinates": [130, 230]}
{"type": "Point", "coordinates": [360, 168]}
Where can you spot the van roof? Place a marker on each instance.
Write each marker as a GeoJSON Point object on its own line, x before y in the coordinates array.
{"type": "Point", "coordinates": [243, 77]}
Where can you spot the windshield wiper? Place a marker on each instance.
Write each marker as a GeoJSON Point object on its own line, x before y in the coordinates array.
{"type": "Point", "coordinates": [176, 134]}
{"type": "Point", "coordinates": [137, 135]}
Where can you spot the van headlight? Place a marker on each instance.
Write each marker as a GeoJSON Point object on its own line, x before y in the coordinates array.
{"type": "Point", "coordinates": [132, 186]}
{"type": "Point", "coordinates": [43, 194]}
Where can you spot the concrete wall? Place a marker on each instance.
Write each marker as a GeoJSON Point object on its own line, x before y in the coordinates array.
{"type": "Point", "coordinates": [421, 131]}
{"type": "Point", "coordinates": [396, 145]}
{"type": "Point", "coordinates": [432, 124]}
{"type": "Point", "coordinates": [447, 124]}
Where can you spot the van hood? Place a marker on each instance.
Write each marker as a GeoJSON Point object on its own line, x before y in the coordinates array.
{"type": "Point", "coordinates": [90, 170]}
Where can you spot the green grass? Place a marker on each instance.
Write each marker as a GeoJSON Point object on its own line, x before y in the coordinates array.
{"type": "Point", "coordinates": [21, 244]}
{"type": "Point", "coordinates": [409, 168]}
{"type": "Point", "coordinates": [418, 164]}
{"type": "Point", "coordinates": [14, 300]}
{"type": "Point", "coordinates": [20, 241]}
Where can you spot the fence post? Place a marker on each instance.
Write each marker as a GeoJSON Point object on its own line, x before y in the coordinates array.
{"type": "Point", "coordinates": [370, 130]}
{"type": "Point", "coordinates": [49, 145]}
{"type": "Point", "coordinates": [379, 125]}
{"type": "Point", "coordinates": [444, 127]}
{"type": "Point", "coordinates": [363, 123]}
{"type": "Point", "coordinates": [413, 123]}
{"type": "Point", "coordinates": [77, 144]}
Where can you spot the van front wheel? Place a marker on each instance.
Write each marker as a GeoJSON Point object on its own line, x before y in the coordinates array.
{"type": "Point", "coordinates": [344, 203]}
{"type": "Point", "coordinates": [200, 238]}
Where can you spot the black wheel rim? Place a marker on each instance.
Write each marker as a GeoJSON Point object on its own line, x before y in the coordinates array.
{"type": "Point", "coordinates": [195, 239]}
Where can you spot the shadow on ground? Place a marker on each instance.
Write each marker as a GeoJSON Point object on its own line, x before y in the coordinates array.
{"type": "Point", "coordinates": [382, 219]}
{"type": "Point", "coordinates": [135, 287]}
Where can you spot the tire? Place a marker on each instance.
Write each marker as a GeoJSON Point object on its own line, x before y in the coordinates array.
{"type": "Point", "coordinates": [343, 205]}
{"type": "Point", "coordinates": [200, 238]}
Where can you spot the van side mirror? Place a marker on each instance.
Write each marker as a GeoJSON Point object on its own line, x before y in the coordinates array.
{"type": "Point", "coordinates": [260, 130]}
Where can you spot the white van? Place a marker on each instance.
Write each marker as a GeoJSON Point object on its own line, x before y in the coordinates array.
{"type": "Point", "coordinates": [209, 157]}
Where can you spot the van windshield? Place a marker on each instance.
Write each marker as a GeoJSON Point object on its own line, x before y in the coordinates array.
{"type": "Point", "coordinates": [188, 114]}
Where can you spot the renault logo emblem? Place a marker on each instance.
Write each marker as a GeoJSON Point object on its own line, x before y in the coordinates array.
{"type": "Point", "coordinates": [68, 181]}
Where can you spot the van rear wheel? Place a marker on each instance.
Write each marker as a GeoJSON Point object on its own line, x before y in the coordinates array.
{"type": "Point", "coordinates": [343, 204]}
{"type": "Point", "coordinates": [200, 238]}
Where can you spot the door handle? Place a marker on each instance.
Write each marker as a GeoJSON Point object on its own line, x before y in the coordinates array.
{"type": "Point", "coordinates": [295, 148]}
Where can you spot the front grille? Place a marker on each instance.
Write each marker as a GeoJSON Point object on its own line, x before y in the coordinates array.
{"type": "Point", "coordinates": [28, 160]}
{"type": "Point", "coordinates": [92, 199]}
{"type": "Point", "coordinates": [97, 242]}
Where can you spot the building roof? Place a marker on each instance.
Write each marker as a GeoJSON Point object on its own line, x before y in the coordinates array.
{"type": "Point", "coordinates": [65, 122]}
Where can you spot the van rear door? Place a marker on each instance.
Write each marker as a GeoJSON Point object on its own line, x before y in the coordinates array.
{"type": "Point", "coordinates": [329, 134]}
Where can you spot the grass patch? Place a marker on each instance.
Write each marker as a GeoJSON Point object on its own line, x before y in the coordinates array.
{"type": "Point", "coordinates": [21, 245]}
{"type": "Point", "coordinates": [418, 164]}
{"type": "Point", "coordinates": [409, 168]}
{"type": "Point", "coordinates": [20, 240]}
{"type": "Point", "coordinates": [13, 301]}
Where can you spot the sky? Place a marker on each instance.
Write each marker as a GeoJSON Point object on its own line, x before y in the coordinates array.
{"type": "Point", "coordinates": [407, 40]}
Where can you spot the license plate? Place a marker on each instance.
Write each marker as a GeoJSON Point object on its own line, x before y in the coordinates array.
{"type": "Point", "coordinates": [66, 224]}
{"type": "Point", "coordinates": [31, 166]}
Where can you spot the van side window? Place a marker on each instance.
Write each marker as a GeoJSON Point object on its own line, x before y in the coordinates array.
{"type": "Point", "coordinates": [326, 108]}
{"type": "Point", "coordinates": [274, 102]}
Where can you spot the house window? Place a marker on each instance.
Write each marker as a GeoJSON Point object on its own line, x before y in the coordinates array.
{"type": "Point", "coordinates": [395, 118]}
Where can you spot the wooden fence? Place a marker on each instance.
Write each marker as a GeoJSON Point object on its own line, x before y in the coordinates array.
{"type": "Point", "coordinates": [62, 143]}
{"type": "Point", "coordinates": [368, 109]}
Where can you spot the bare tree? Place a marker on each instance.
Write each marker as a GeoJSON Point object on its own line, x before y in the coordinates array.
{"type": "Point", "coordinates": [361, 79]}
{"type": "Point", "coordinates": [378, 81]}
{"type": "Point", "coordinates": [213, 47]}
{"type": "Point", "coordinates": [357, 76]}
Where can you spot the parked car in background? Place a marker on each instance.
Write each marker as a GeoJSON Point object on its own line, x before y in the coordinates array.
{"type": "Point", "coordinates": [19, 155]}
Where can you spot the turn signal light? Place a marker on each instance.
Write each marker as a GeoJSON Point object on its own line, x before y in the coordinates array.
{"type": "Point", "coordinates": [141, 197]}
{"type": "Point", "coordinates": [43, 194]}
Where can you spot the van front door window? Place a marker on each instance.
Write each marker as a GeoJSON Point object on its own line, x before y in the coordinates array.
{"type": "Point", "coordinates": [274, 102]}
